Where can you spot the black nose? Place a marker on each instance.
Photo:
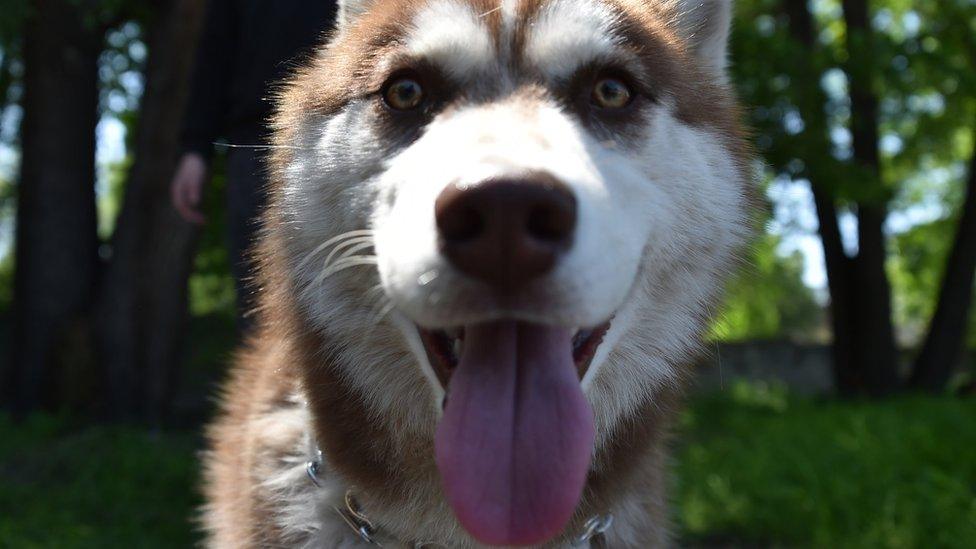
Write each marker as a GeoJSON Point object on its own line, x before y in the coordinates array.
{"type": "Point", "coordinates": [506, 231]}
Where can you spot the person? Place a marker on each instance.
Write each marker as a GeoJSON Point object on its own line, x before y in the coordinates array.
{"type": "Point", "coordinates": [246, 47]}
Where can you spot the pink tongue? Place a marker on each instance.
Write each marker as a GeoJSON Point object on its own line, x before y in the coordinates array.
{"type": "Point", "coordinates": [514, 445]}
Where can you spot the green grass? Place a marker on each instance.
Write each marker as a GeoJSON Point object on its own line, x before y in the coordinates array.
{"type": "Point", "coordinates": [96, 487]}
{"type": "Point", "coordinates": [754, 468]}
{"type": "Point", "coordinates": [760, 468]}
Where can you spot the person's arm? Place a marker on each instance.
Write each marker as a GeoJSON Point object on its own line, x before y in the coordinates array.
{"type": "Point", "coordinates": [206, 107]}
{"type": "Point", "coordinates": [186, 188]}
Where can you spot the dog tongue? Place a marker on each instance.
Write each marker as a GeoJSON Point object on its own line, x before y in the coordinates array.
{"type": "Point", "coordinates": [515, 441]}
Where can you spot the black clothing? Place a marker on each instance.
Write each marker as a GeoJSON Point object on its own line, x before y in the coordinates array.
{"type": "Point", "coordinates": [247, 46]}
{"type": "Point", "coordinates": [245, 200]}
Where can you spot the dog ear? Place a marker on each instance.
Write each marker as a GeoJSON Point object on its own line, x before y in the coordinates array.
{"type": "Point", "coordinates": [350, 10]}
{"type": "Point", "coordinates": [706, 25]}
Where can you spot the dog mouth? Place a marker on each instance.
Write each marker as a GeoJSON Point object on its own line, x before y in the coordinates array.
{"type": "Point", "coordinates": [444, 349]}
{"type": "Point", "coordinates": [514, 443]}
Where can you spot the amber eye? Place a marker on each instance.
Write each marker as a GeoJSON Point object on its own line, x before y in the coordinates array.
{"type": "Point", "coordinates": [403, 94]}
{"type": "Point", "coordinates": [611, 93]}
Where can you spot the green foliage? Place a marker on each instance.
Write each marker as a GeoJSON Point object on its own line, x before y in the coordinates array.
{"type": "Point", "coordinates": [768, 299]}
{"type": "Point", "coordinates": [211, 284]}
{"type": "Point", "coordinates": [13, 13]}
{"type": "Point", "coordinates": [920, 65]}
{"type": "Point", "coordinates": [110, 198]}
{"type": "Point", "coordinates": [121, 69]}
{"type": "Point", "coordinates": [762, 469]}
{"type": "Point", "coordinates": [916, 269]}
{"type": "Point", "coordinates": [102, 14]}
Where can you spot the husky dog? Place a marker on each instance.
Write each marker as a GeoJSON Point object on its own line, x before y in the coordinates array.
{"type": "Point", "coordinates": [495, 234]}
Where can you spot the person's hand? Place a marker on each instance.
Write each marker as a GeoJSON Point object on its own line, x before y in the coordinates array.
{"type": "Point", "coordinates": [187, 187]}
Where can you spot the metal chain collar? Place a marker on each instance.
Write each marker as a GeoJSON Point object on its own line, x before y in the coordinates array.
{"type": "Point", "coordinates": [592, 536]}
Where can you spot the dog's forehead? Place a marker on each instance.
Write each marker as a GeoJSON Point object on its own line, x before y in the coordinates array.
{"type": "Point", "coordinates": [453, 34]}
{"type": "Point", "coordinates": [567, 33]}
{"type": "Point", "coordinates": [466, 37]}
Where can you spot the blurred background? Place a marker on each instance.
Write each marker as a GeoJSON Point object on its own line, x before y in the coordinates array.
{"type": "Point", "coordinates": [836, 406]}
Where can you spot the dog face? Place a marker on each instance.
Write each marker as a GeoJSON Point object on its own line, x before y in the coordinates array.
{"type": "Point", "coordinates": [482, 182]}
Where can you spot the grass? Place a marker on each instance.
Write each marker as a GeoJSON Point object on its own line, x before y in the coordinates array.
{"type": "Point", "coordinates": [95, 487]}
{"type": "Point", "coordinates": [760, 468]}
{"type": "Point", "coordinates": [754, 468]}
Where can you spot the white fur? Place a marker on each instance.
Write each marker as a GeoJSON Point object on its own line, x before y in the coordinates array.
{"type": "Point", "coordinates": [349, 10]}
{"type": "Point", "coordinates": [706, 24]}
{"type": "Point", "coordinates": [451, 35]}
{"type": "Point", "coordinates": [505, 140]}
{"type": "Point", "coordinates": [568, 34]}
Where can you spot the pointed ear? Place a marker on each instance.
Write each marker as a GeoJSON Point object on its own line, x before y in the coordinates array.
{"type": "Point", "coordinates": [706, 25]}
{"type": "Point", "coordinates": [350, 10]}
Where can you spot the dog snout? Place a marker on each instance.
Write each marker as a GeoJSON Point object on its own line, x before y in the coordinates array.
{"type": "Point", "coordinates": [506, 231]}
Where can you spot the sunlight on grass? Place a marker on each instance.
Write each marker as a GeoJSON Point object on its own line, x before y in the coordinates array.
{"type": "Point", "coordinates": [758, 467]}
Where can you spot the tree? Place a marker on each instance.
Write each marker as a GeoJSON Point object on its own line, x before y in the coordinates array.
{"type": "Point", "coordinates": [142, 303]}
{"type": "Point", "coordinates": [874, 369]}
{"type": "Point", "coordinates": [947, 331]}
{"type": "Point", "coordinates": [114, 322]}
{"type": "Point", "coordinates": [56, 241]}
{"type": "Point", "coordinates": [864, 353]}
{"type": "Point", "coordinates": [868, 74]}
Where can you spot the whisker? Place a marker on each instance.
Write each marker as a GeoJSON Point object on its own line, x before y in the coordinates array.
{"type": "Point", "coordinates": [382, 314]}
{"type": "Point", "coordinates": [362, 233]}
{"type": "Point", "coordinates": [489, 12]}
{"type": "Point", "coordinates": [376, 305]}
{"type": "Point", "coordinates": [355, 246]}
{"type": "Point", "coordinates": [378, 290]}
{"type": "Point", "coordinates": [718, 351]}
{"type": "Point", "coordinates": [259, 147]}
{"type": "Point", "coordinates": [347, 263]}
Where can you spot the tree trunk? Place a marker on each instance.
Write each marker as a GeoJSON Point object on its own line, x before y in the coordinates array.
{"type": "Point", "coordinates": [142, 305]}
{"type": "Point", "coordinates": [865, 361]}
{"type": "Point", "coordinates": [811, 101]}
{"type": "Point", "coordinates": [876, 357]}
{"type": "Point", "coordinates": [947, 331]}
{"type": "Point", "coordinates": [842, 311]}
{"type": "Point", "coordinates": [56, 242]}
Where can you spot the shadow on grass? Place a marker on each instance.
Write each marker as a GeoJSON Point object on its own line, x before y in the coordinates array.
{"type": "Point", "coordinates": [95, 487]}
{"type": "Point", "coordinates": [210, 345]}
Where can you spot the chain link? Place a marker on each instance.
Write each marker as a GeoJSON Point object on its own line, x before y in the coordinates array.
{"type": "Point", "coordinates": [593, 528]}
{"type": "Point", "coordinates": [352, 515]}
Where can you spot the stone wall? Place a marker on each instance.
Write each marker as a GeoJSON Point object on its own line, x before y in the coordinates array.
{"type": "Point", "coordinates": [803, 368]}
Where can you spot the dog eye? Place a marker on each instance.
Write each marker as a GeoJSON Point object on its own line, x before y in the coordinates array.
{"type": "Point", "coordinates": [403, 94]}
{"type": "Point", "coordinates": [611, 93]}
